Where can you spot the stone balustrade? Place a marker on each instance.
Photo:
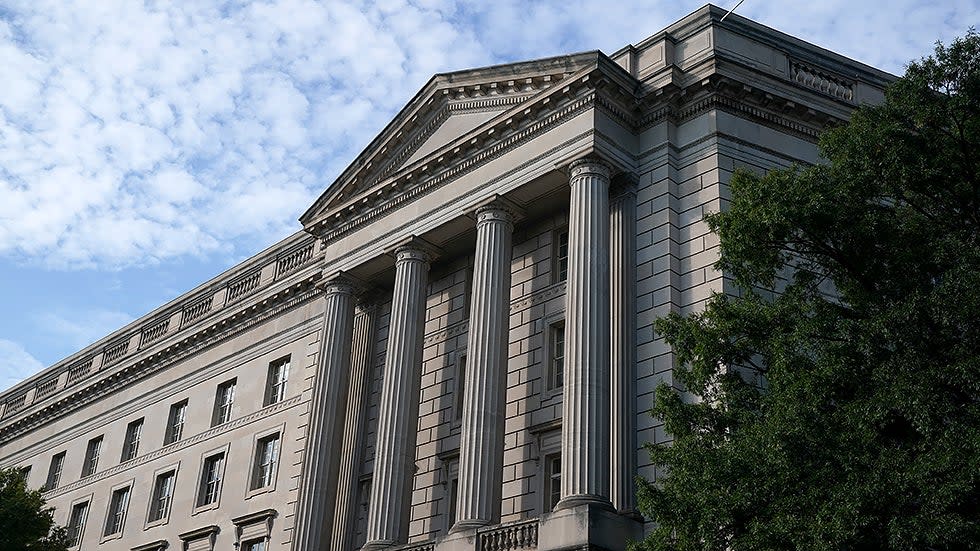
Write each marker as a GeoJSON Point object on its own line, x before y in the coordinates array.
{"type": "Point", "coordinates": [153, 328]}
{"type": "Point", "coordinates": [509, 537]}
{"type": "Point", "coordinates": [821, 80]}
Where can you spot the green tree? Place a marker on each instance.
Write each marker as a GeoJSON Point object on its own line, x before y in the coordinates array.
{"type": "Point", "coordinates": [25, 523]}
{"type": "Point", "coordinates": [843, 411]}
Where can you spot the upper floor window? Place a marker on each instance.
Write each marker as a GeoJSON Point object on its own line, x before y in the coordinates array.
{"type": "Point", "coordinates": [92, 453]}
{"type": "Point", "coordinates": [163, 494]}
{"type": "Point", "coordinates": [560, 252]}
{"type": "Point", "coordinates": [76, 523]}
{"type": "Point", "coordinates": [254, 545]}
{"type": "Point", "coordinates": [131, 445]}
{"type": "Point", "coordinates": [116, 517]}
{"type": "Point", "coordinates": [54, 471]}
{"type": "Point", "coordinates": [224, 399]}
{"type": "Point", "coordinates": [175, 422]}
{"type": "Point", "coordinates": [210, 487]}
{"type": "Point", "coordinates": [552, 480]}
{"type": "Point", "coordinates": [556, 355]}
{"type": "Point", "coordinates": [276, 385]}
{"type": "Point", "coordinates": [460, 385]}
{"type": "Point", "coordinates": [266, 458]}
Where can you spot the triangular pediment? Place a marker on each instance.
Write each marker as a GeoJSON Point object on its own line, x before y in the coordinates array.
{"type": "Point", "coordinates": [448, 106]}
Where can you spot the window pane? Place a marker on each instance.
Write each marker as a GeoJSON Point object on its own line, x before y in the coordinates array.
{"type": "Point", "coordinates": [132, 444]}
{"type": "Point", "coordinates": [92, 456]}
{"type": "Point", "coordinates": [175, 423]}
{"type": "Point", "coordinates": [76, 523]}
{"type": "Point", "coordinates": [266, 458]}
{"type": "Point", "coordinates": [210, 480]}
{"type": "Point", "coordinates": [117, 512]}
{"type": "Point", "coordinates": [163, 492]}
{"type": "Point", "coordinates": [54, 471]}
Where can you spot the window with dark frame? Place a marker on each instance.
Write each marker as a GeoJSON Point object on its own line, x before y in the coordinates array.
{"type": "Point", "coordinates": [266, 459]}
{"type": "Point", "coordinates": [210, 487]}
{"type": "Point", "coordinates": [76, 523]}
{"type": "Point", "coordinates": [552, 479]}
{"type": "Point", "coordinates": [452, 491]}
{"type": "Point", "coordinates": [276, 385]}
{"type": "Point", "coordinates": [556, 355]}
{"type": "Point", "coordinates": [54, 471]}
{"type": "Point", "coordinates": [131, 445]}
{"type": "Point", "coordinates": [460, 385]}
{"type": "Point", "coordinates": [163, 494]}
{"type": "Point", "coordinates": [175, 422]}
{"type": "Point", "coordinates": [561, 256]}
{"type": "Point", "coordinates": [254, 545]}
{"type": "Point", "coordinates": [224, 399]}
{"type": "Point", "coordinates": [117, 512]}
{"type": "Point", "coordinates": [92, 452]}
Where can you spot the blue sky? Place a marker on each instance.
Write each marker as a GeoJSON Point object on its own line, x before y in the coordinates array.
{"type": "Point", "coordinates": [147, 146]}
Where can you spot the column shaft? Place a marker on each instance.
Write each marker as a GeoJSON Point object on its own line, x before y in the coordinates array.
{"type": "Point", "coordinates": [484, 411]}
{"type": "Point", "coordinates": [362, 364]}
{"type": "Point", "coordinates": [585, 421]}
{"type": "Point", "coordinates": [321, 455]}
{"type": "Point", "coordinates": [394, 458]}
{"type": "Point", "coordinates": [622, 263]}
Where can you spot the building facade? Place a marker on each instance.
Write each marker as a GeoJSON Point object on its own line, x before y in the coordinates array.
{"type": "Point", "coordinates": [456, 350]}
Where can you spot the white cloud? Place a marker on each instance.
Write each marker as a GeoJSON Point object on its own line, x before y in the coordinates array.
{"type": "Point", "coordinates": [136, 132]}
{"type": "Point", "coordinates": [77, 329]}
{"type": "Point", "coordinates": [16, 364]}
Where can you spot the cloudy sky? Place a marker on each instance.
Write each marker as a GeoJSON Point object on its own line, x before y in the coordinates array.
{"type": "Point", "coordinates": [147, 146]}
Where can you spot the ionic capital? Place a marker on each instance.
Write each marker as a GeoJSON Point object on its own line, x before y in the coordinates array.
{"type": "Point", "coordinates": [498, 209]}
{"type": "Point", "coordinates": [339, 283]}
{"type": "Point", "coordinates": [590, 166]}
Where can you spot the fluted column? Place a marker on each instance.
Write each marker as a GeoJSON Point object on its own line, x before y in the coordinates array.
{"type": "Point", "coordinates": [622, 263]}
{"type": "Point", "coordinates": [394, 458]}
{"type": "Point", "coordinates": [321, 456]}
{"type": "Point", "coordinates": [585, 420]}
{"type": "Point", "coordinates": [481, 454]}
{"type": "Point", "coordinates": [362, 364]}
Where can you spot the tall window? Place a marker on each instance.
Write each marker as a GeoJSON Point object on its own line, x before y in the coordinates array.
{"type": "Point", "coordinates": [131, 446]}
{"type": "Point", "coordinates": [276, 385]}
{"type": "Point", "coordinates": [561, 256]}
{"type": "Point", "coordinates": [224, 398]}
{"type": "Point", "coordinates": [266, 458]}
{"type": "Point", "coordinates": [460, 385]}
{"type": "Point", "coordinates": [552, 481]}
{"type": "Point", "coordinates": [556, 355]}
{"type": "Point", "coordinates": [210, 487]}
{"type": "Point", "coordinates": [163, 494]}
{"type": "Point", "coordinates": [452, 491]}
{"type": "Point", "coordinates": [92, 452]}
{"type": "Point", "coordinates": [76, 523]}
{"type": "Point", "coordinates": [54, 471]}
{"type": "Point", "coordinates": [175, 422]}
{"type": "Point", "coordinates": [254, 545]}
{"type": "Point", "coordinates": [117, 512]}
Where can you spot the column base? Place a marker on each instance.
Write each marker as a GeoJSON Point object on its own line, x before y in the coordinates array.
{"type": "Point", "coordinates": [378, 545]}
{"type": "Point", "coordinates": [597, 501]}
{"type": "Point", "coordinates": [468, 525]}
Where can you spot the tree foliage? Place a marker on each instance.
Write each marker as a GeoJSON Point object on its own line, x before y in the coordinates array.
{"type": "Point", "coordinates": [25, 523]}
{"type": "Point", "coordinates": [841, 412]}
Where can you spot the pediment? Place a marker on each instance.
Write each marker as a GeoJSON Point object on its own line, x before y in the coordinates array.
{"type": "Point", "coordinates": [449, 106]}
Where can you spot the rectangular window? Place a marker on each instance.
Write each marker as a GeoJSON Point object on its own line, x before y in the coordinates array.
{"type": "Point", "coordinates": [276, 385]}
{"type": "Point", "coordinates": [210, 487]}
{"type": "Point", "coordinates": [117, 512]}
{"type": "Point", "coordinates": [175, 423]}
{"type": "Point", "coordinates": [224, 399]}
{"type": "Point", "coordinates": [131, 446]}
{"type": "Point", "coordinates": [266, 458]}
{"type": "Point", "coordinates": [163, 494]}
{"type": "Point", "coordinates": [54, 471]}
{"type": "Point", "coordinates": [556, 355]}
{"type": "Point", "coordinates": [460, 385]}
{"type": "Point", "coordinates": [254, 545]}
{"type": "Point", "coordinates": [76, 523]}
{"type": "Point", "coordinates": [92, 456]}
{"type": "Point", "coordinates": [25, 472]}
{"type": "Point", "coordinates": [552, 480]}
{"type": "Point", "coordinates": [561, 256]}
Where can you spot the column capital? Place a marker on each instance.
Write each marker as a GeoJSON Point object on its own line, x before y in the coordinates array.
{"type": "Point", "coordinates": [497, 208]}
{"type": "Point", "coordinates": [414, 248]}
{"type": "Point", "coordinates": [590, 166]}
{"type": "Point", "coordinates": [339, 282]}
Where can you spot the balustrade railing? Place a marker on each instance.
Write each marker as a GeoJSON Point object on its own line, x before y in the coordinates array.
{"type": "Point", "coordinates": [823, 81]}
{"type": "Point", "coordinates": [78, 372]}
{"type": "Point", "coordinates": [242, 287]}
{"type": "Point", "coordinates": [45, 388]}
{"type": "Point", "coordinates": [15, 404]}
{"type": "Point", "coordinates": [114, 352]}
{"type": "Point", "coordinates": [509, 537]}
{"type": "Point", "coordinates": [294, 260]}
{"type": "Point", "coordinates": [154, 332]}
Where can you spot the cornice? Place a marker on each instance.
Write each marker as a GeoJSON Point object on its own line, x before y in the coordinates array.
{"type": "Point", "coordinates": [213, 432]}
{"type": "Point", "coordinates": [241, 320]}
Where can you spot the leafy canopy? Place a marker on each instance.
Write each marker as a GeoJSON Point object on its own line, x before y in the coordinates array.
{"type": "Point", "coordinates": [843, 412]}
{"type": "Point", "coordinates": [25, 523]}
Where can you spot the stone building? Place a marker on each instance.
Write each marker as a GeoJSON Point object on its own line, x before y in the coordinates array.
{"type": "Point", "coordinates": [456, 350]}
